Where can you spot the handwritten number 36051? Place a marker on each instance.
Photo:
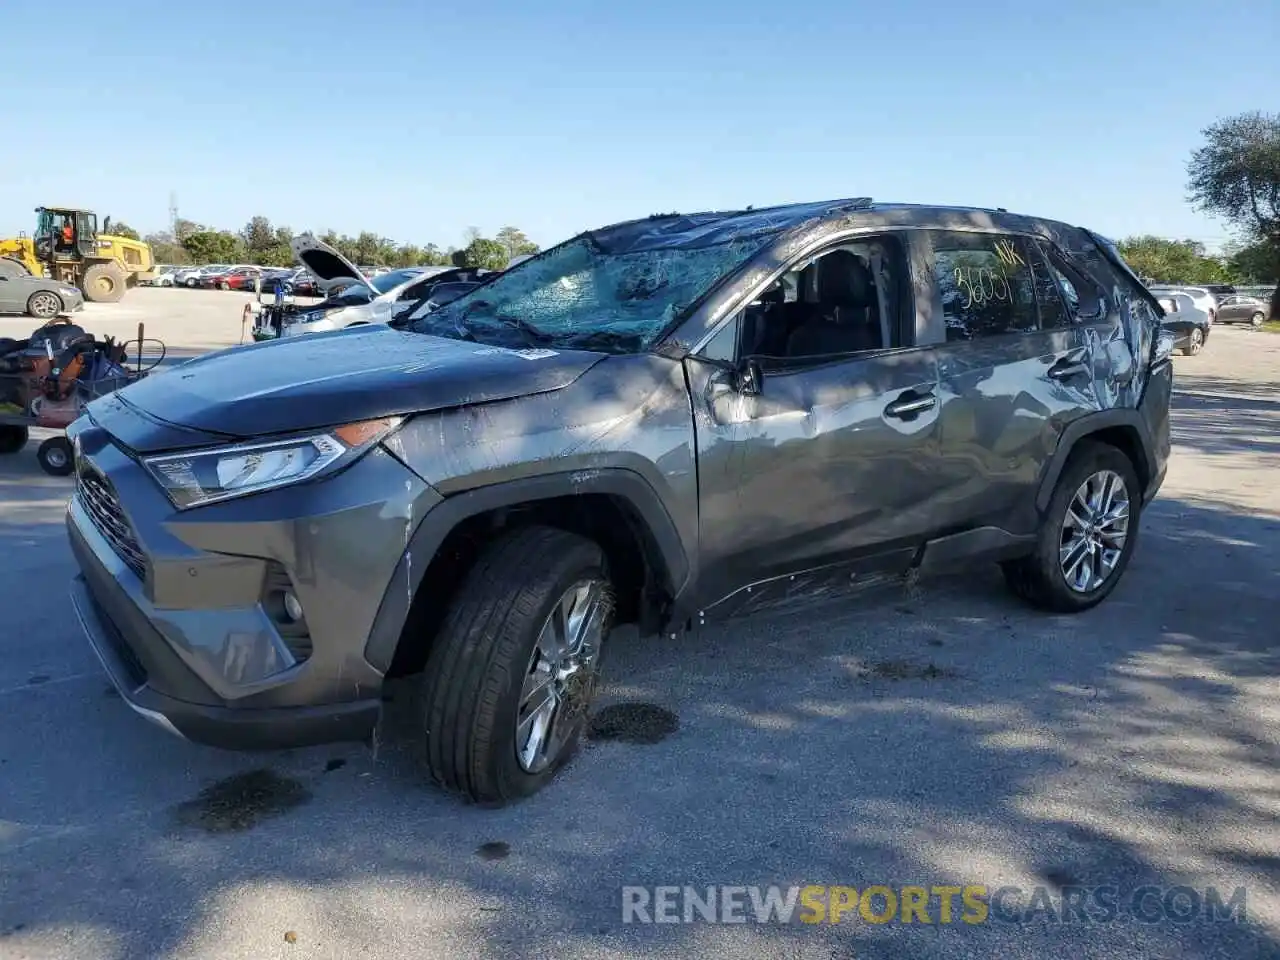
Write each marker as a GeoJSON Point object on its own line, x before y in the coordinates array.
{"type": "Point", "coordinates": [982, 285]}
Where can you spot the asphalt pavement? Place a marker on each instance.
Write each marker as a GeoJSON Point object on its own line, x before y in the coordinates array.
{"type": "Point", "coordinates": [934, 734]}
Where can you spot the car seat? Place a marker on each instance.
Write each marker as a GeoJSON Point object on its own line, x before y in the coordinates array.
{"type": "Point", "coordinates": [846, 318]}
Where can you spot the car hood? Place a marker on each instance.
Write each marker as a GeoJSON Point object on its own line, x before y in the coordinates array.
{"type": "Point", "coordinates": [323, 379]}
{"type": "Point", "coordinates": [326, 264]}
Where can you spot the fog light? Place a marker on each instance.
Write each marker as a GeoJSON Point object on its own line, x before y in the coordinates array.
{"type": "Point", "coordinates": [292, 607]}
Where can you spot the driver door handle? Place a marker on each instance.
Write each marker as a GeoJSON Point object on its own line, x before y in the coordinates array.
{"type": "Point", "coordinates": [909, 404]}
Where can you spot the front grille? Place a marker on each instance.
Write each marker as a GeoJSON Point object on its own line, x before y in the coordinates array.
{"type": "Point", "coordinates": [100, 503]}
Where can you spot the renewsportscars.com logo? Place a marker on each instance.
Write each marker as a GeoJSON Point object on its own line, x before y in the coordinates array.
{"type": "Point", "coordinates": [942, 904]}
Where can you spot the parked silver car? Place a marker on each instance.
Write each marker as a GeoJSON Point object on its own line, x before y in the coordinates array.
{"type": "Point", "coordinates": [1238, 308]}
{"type": "Point", "coordinates": [39, 297]}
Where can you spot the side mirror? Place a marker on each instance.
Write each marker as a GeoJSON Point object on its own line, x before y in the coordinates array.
{"type": "Point", "coordinates": [748, 378]}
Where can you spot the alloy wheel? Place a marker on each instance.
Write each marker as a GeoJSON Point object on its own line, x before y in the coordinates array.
{"type": "Point", "coordinates": [45, 305]}
{"type": "Point", "coordinates": [1094, 531]}
{"type": "Point", "coordinates": [1197, 341]}
{"type": "Point", "coordinates": [561, 676]}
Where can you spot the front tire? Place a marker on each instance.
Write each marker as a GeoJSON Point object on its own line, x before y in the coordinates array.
{"type": "Point", "coordinates": [1087, 534]}
{"type": "Point", "coordinates": [44, 305]}
{"type": "Point", "coordinates": [56, 457]}
{"type": "Point", "coordinates": [511, 676]}
{"type": "Point", "coordinates": [1257, 319]}
{"type": "Point", "coordinates": [104, 283]}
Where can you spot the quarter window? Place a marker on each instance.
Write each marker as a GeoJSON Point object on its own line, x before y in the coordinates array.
{"type": "Point", "coordinates": [1051, 289]}
{"type": "Point", "coordinates": [986, 285]}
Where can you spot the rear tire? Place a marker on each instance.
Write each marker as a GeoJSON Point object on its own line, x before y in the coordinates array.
{"type": "Point", "coordinates": [12, 439]}
{"type": "Point", "coordinates": [1195, 341]}
{"type": "Point", "coordinates": [489, 666]}
{"type": "Point", "coordinates": [1257, 319]}
{"type": "Point", "coordinates": [44, 305]}
{"type": "Point", "coordinates": [1041, 579]}
{"type": "Point", "coordinates": [104, 283]}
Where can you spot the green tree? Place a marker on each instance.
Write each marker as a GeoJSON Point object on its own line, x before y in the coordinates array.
{"type": "Point", "coordinates": [1236, 175]}
{"type": "Point", "coordinates": [515, 242]}
{"type": "Point", "coordinates": [184, 228]}
{"type": "Point", "coordinates": [1172, 261]}
{"type": "Point", "coordinates": [433, 256]}
{"type": "Point", "coordinates": [368, 249]}
{"type": "Point", "coordinates": [258, 235]}
{"type": "Point", "coordinates": [122, 229]}
{"type": "Point", "coordinates": [1255, 263]}
{"type": "Point", "coordinates": [482, 252]}
{"type": "Point", "coordinates": [265, 244]}
{"type": "Point", "coordinates": [165, 248]}
{"type": "Point", "coordinates": [210, 246]}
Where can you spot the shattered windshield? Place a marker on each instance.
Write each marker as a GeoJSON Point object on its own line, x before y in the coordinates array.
{"type": "Point", "coordinates": [581, 295]}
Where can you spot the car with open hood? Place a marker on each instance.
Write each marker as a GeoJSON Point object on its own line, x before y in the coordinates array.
{"type": "Point", "coordinates": [352, 298]}
{"type": "Point", "coordinates": [356, 298]}
{"type": "Point", "coordinates": [661, 423]}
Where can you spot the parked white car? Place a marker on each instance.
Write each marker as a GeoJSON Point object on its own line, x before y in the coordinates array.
{"type": "Point", "coordinates": [164, 274]}
{"type": "Point", "coordinates": [1202, 298]}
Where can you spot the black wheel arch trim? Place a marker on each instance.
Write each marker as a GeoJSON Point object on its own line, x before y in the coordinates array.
{"type": "Point", "coordinates": [442, 519]}
{"type": "Point", "coordinates": [1086, 427]}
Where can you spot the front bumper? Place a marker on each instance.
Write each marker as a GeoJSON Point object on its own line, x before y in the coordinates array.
{"type": "Point", "coordinates": [217, 726]}
{"type": "Point", "coordinates": [179, 616]}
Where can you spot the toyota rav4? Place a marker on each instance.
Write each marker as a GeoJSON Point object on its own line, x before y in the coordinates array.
{"type": "Point", "coordinates": [664, 423]}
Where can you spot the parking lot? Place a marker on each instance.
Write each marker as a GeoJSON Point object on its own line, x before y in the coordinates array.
{"type": "Point", "coordinates": [935, 734]}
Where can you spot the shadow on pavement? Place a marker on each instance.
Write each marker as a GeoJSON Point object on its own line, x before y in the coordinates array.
{"type": "Point", "coordinates": [1133, 744]}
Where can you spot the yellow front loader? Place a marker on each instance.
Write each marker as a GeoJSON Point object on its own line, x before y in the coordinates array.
{"type": "Point", "coordinates": [68, 247]}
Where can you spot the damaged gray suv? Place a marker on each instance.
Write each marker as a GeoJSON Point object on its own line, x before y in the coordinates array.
{"type": "Point", "coordinates": [664, 423]}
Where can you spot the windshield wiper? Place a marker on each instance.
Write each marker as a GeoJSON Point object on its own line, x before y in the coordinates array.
{"type": "Point", "coordinates": [532, 334]}
{"type": "Point", "coordinates": [609, 341]}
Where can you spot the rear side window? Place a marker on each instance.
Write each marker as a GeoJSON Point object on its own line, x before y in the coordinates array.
{"type": "Point", "coordinates": [1085, 299]}
{"type": "Point", "coordinates": [986, 285]}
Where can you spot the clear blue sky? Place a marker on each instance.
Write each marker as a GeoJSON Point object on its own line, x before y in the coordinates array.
{"type": "Point", "coordinates": [566, 114]}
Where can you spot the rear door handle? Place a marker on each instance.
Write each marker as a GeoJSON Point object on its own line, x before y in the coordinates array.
{"type": "Point", "coordinates": [910, 404]}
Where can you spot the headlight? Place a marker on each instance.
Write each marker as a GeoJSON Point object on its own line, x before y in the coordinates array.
{"type": "Point", "coordinates": [69, 291]}
{"type": "Point", "coordinates": [1163, 346]}
{"type": "Point", "coordinates": [220, 473]}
